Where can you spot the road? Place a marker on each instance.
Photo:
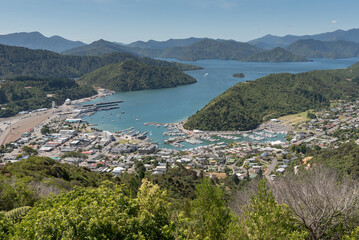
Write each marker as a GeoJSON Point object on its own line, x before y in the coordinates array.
{"type": "Point", "coordinates": [271, 167]}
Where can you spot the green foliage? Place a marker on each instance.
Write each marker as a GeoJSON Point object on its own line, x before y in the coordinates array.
{"type": "Point", "coordinates": [25, 182]}
{"type": "Point", "coordinates": [99, 213]}
{"type": "Point", "coordinates": [179, 183]}
{"type": "Point", "coordinates": [74, 155]}
{"type": "Point", "coordinates": [246, 105]}
{"type": "Point", "coordinates": [28, 93]}
{"type": "Point", "coordinates": [6, 227]}
{"type": "Point", "coordinates": [29, 150]}
{"type": "Point", "coordinates": [14, 195]}
{"type": "Point", "coordinates": [238, 75]}
{"type": "Point", "coordinates": [131, 75]}
{"type": "Point", "coordinates": [311, 115]}
{"type": "Point", "coordinates": [45, 130]}
{"type": "Point", "coordinates": [17, 214]}
{"type": "Point", "coordinates": [276, 55]}
{"type": "Point", "coordinates": [210, 212]}
{"type": "Point", "coordinates": [344, 159]}
{"type": "Point", "coordinates": [353, 235]}
{"type": "Point", "coordinates": [301, 148]}
{"type": "Point", "coordinates": [153, 212]}
{"type": "Point", "coordinates": [265, 219]}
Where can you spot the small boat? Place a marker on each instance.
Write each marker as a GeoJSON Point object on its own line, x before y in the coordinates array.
{"type": "Point", "coordinates": [205, 75]}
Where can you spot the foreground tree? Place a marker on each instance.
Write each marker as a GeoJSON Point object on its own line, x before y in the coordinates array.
{"type": "Point", "coordinates": [99, 213]}
{"type": "Point", "coordinates": [264, 218]}
{"type": "Point", "coordinates": [210, 212]}
{"type": "Point", "coordinates": [325, 203]}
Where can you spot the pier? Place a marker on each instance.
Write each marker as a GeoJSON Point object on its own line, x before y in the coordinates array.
{"type": "Point", "coordinates": [102, 104]}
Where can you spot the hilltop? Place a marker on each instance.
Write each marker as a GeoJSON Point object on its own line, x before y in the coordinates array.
{"type": "Point", "coordinates": [96, 48]}
{"type": "Point", "coordinates": [246, 105]}
{"type": "Point", "coordinates": [132, 76]}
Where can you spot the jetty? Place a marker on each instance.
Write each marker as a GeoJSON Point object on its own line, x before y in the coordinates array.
{"type": "Point", "coordinates": [102, 103]}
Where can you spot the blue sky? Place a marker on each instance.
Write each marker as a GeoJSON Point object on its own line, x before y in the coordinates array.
{"type": "Point", "coordinates": [130, 20]}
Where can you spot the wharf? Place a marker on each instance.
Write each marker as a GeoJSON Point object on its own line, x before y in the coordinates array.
{"type": "Point", "coordinates": [101, 104]}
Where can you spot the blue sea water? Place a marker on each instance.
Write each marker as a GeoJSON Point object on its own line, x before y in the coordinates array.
{"type": "Point", "coordinates": [176, 104]}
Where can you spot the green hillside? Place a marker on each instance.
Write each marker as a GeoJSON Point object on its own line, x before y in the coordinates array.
{"type": "Point", "coordinates": [132, 76]}
{"type": "Point", "coordinates": [19, 61]}
{"type": "Point", "coordinates": [27, 93]}
{"type": "Point", "coordinates": [246, 105]}
{"type": "Point", "coordinates": [276, 55]}
{"type": "Point", "coordinates": [320, 49]}
{"type": "Point", "coordinates": [37, 177]}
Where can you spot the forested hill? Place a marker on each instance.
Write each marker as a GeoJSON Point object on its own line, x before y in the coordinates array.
{"type": "Point", "coordinates": [19, 61]}
{"type": "Point", "coordinates": [211, 49]}
{"type": "Point", "coordinates": [276, 55]}
{"type": "Point", "coordinates": [132, 76]}
{"type": "Point", "coordinates": [248, 104]}
{"type": "Point", "coordinates": [320, 49]}
{"type": "Point", "coordinates": [27, 93]}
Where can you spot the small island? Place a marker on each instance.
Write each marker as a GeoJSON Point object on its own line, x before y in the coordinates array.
{"type": "Point", "coordinates": [238, 75]}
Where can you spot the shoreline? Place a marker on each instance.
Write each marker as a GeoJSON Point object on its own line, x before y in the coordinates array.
{"type": "Point", "coordinates": [13, 127]}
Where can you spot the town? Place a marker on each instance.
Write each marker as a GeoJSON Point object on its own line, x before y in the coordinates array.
{"type": "Point", "coordinates": [65, 137]}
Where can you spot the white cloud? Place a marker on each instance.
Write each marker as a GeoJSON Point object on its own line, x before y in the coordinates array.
{"type": "Point", "coordinates": [333, 22]}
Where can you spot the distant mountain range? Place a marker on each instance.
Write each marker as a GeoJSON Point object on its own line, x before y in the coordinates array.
{"type": "Point", "coordinates": [320, 49]}
{"type": "Point", "coordinates": [35, 40]}
{"type": "Point", "coordinates": [337, 44]}
{"type": "Point", "coordinates": [165, 44]}
{"type": "Point", "coordinates": [201, 49]}
{"type": "Point", "coordinates": [271, 41]}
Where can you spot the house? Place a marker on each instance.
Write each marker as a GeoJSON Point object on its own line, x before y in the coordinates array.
{"type": "Point", "coordinates": [148, 149]}
{"type": "Point", "coordinates": [65, 132]}
{"type": "Point", "coordinates": [159, 170]}
{"type": "Point", "coordinates": [118, 170]}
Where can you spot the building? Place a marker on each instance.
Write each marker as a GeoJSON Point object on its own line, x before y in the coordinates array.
{"type": "Point", "coordinates": [68, 101]}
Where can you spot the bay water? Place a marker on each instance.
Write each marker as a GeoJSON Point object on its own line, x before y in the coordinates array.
{"type": "Point", "coordinates": [171, 105]}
